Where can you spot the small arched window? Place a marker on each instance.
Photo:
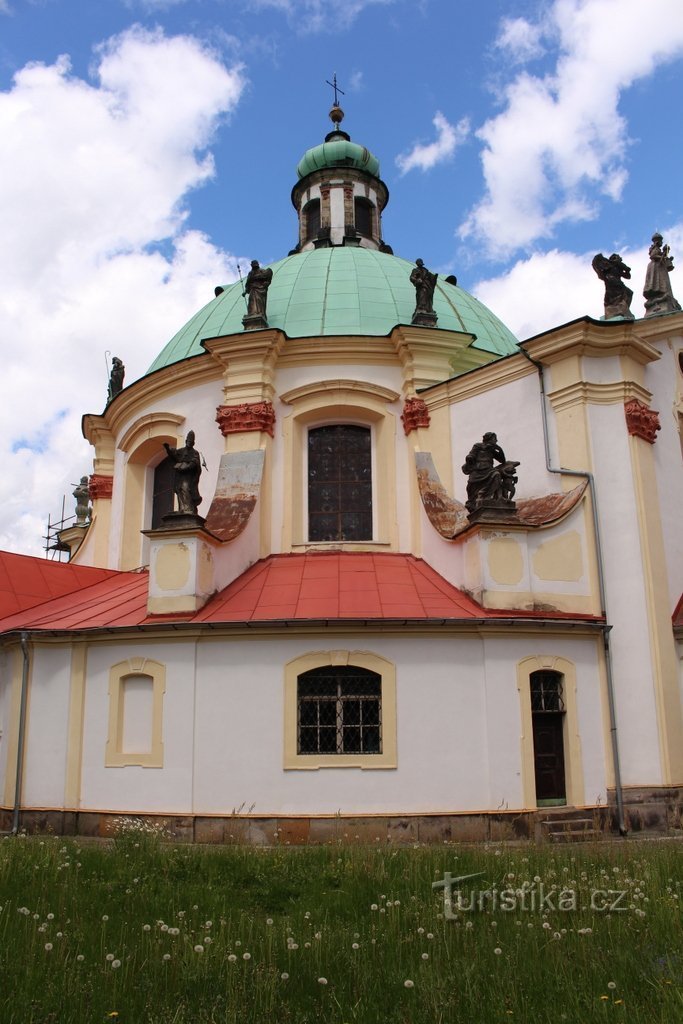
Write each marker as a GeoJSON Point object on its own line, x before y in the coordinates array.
{"type": "Point", "coordinates": [312, 219]}
{"type": "Point", "coordinates": [364, 216]}
{"type": "Point", "coordinates": [339, 483]}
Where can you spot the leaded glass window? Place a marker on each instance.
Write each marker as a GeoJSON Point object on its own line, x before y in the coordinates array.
{"type": "Point", "coordinates": [339, 711]}
{"type": "Point", "coordinates": [339, 483]}
{"type": "Point", "coordinates": [546, 691]}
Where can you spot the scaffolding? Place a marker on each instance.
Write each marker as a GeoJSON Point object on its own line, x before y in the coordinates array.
{"type": "Point", "coordinates": [54, 548]}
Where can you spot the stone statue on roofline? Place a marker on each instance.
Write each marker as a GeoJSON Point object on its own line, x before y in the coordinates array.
{"type": "Point", "coordinates": [187, 470]}
{"type": "Point", "coordinates": [256, 288]}
{"type": "Point", "coordinates": [657, 291]}
{"type": "Point", "coordinates": [490, 487]}
{"type": "Point", "coordinates": [82, 495]}
{"type": "Point", "coordinates": [118, 372]}
{"type": "Point", "coordinates": [617, 296]}
{"type": "Point", "coordinates": [424, 282]}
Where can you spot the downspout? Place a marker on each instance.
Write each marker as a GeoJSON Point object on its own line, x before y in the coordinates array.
{"type": "Point", "coordinates": [22, 734]}
{"type": "Point", "coordinates": [606, 629]}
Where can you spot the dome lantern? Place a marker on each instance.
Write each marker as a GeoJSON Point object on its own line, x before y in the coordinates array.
{"type": "Point", "coordinates": [340, 196]}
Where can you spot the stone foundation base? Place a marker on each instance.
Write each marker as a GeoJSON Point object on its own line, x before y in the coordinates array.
{"type": "Point", "coordinates": [650, 808]}
{"type": "Point", "coordinates": [647, 810]}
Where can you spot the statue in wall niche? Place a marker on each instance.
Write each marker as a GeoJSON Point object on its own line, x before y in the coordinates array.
{"type": "Point", "coordinates": [488, 483]}
{"type": "Point", "coordinates": [118, 372]}
{"type": "Point", "coordinates": [82, 495]}
{"type": "Point", "coordinates": [657, 291]}
{"type": "Point", "coordinates": [424, 282]}
{"type": "Point", "coordinates": [256, 288]}
{"type": "Point", "coordinates": [617, 296]}
{"type": "Point", "coordinates": [187, 470]}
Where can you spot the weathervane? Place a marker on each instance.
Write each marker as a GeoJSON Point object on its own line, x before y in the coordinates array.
{"type": "Point", "coordinates": [336, 88]}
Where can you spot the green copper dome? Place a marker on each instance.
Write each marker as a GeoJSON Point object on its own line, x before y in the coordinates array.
{"type": "Point", "coordinates": [340, 290]}
{"type": "Point", "coordinates": [338, 151]}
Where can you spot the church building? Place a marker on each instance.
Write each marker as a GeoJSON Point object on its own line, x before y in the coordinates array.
{"type": "Point", "coordinates": [361, 564]}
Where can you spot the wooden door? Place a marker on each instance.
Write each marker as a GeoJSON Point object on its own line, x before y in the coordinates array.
{"type": "Point", "coordinates": [549, 757]}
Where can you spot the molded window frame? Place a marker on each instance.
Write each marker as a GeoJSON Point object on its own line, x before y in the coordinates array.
{"type": "Point", "coordinates": [385, 669]}
{"type": "Point", "coordinates": [115, 756]}
{"type": "Point", "coordinates": [573, 762]}
{"type": "Point", "coordinates": [329, 403]}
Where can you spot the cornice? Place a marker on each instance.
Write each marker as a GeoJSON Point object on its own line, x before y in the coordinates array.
{"type": "Point", "coordinates": [586, 393]}
{"type": "Point", "coordinates": [477, 381]}
{"type": "Point", "coordinates": [594, 338]}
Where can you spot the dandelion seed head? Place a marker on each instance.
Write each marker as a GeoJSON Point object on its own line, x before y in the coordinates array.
{"type": "Point", "coordinates": [498, 951]}
{"type": "Point", "coordinates": [246, 956]}
{"type": "Point", "coordinates": [115, 964]}
{"type": "Point", "coordinates": [232, 958]}
{"type": "Point", "coordinates": [408, 983]}
{"type": "Point", "coordinates": [199, 948]}
{"type": "Point", "coordinates": [611, 985]}
{"type": "Point", "coordinates": [166, 957]}
{"type": "Point", "coordinates": [80, 958]}
{"type": "Point", "coordinates": [109, 957]}
{"type": "Point", "coordinates": [48, 946]}
{"type": "Point", "coordinates": [284, 976]}
{"type": "Point", "coordinates": [425, 956]}
{"type": "Point", "coordinates": [322, 981]}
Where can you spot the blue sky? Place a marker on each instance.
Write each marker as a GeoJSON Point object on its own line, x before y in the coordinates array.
{"type": "Point", "coordinates": [149, 145]}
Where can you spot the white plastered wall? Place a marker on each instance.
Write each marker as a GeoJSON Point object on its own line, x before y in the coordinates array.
{"type": "Point", "coordinates": [47, 726]}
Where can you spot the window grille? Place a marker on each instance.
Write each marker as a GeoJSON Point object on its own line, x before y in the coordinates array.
{"type": "Point", "coordinates": [339, 711]}
{"type": "Point", "coordinates": [546, 691]}
{"type": "Point", "coordinates": [339, 483]}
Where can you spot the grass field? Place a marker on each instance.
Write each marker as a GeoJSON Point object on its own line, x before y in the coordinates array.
{"type": "Point", "coordinates": [143, 933]}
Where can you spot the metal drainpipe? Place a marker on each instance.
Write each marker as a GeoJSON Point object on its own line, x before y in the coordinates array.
{"type": "Point", "coordinates": [606, 629]}
{"type": "Point", "coordinates": [22, 734]}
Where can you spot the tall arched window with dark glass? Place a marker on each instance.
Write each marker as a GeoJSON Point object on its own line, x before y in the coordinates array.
{"type": "Point", "coordinates": [339, 483]}
{"type": "Point", "coordinates": [363, 214]}
{"type": "Point", "coordinates": [312, 219]}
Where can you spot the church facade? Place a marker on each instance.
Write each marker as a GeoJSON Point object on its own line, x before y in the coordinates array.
{"type": "Point", "coordinates": [362, 630]}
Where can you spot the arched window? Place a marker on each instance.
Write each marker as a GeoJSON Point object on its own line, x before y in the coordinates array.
{"type": "Point", "coordinates": [162, 492]}
{"type": "Point", "coordinates": [339, 483]}
{"type": "Point", "coordinates": [339, 711]}
{"type": "Point", "coordinates": [363, 216]}
{"type": "Point", "coordinates": [312, 219]}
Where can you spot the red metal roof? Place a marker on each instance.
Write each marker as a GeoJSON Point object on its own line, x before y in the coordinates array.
{"type": "Point", "coordinates": [26, 581]}
{"type": "Point", "coordinates": [339, 586]}
{"type": "Point", "coordinates": [302, 587]}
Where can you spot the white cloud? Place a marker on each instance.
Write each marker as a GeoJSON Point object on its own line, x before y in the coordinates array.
{"type": "Point", "coordinates": [356, 81]}
{"type": "Point", "coordinates": [92, 184]}
{"type": "Point", "coordinates": [520, 40]}
{"type": "Point", "coordinates": [560, 143]}
{"type": "Point", "coordinates": [552, 288]}
{"type": "Point", "coordinates": [426, 156]}
{"type": "Point", "coordinates": [320, 15]}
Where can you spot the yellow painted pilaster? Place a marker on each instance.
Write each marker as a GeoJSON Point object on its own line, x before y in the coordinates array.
{"type": "Point", "coordinates": [665, 666]}
{"type": "Point", "coordinates": [74, 748]}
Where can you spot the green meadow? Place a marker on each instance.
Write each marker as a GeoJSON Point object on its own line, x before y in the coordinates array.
{"type": "Point", "coordinates": [143, 932]}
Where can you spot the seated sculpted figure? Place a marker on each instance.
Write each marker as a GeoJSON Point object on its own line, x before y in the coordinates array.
{"type": "Point", "coordinates": [488, 482]}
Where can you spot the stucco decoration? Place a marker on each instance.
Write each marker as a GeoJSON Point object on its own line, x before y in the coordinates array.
{"type": "Point", "coordinates": [449, 517]}
{"type": "Point", "coordinates": [236, 419]}
{"type": "Point", "coordinates": [237, 490]}
{"type": "Point", "coordinates": [642, 421]}
{"type": "Point", "coordinates": [415, 414]}
{"type": "Point", "coordinates": [101, 486]}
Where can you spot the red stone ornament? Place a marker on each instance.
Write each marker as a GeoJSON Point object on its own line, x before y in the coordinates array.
{"type": "Point", "coordinates": [236, 419]}
{"type": "Point", "coordinates": [415, 414]}
{"type": "Point", "coordinates": [642, 421]}
{"type": "Point", "coordinates": [100, 486]}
